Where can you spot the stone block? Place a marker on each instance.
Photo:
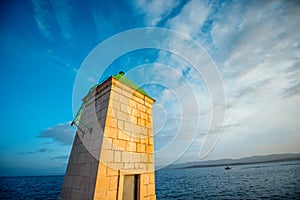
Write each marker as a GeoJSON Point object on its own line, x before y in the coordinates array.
{"type": "Point", "coordinates": [138, 100]}
{"type": "Point", "coordinates": [144, 115]}
{"type": "Point", "coordinates": [144, 140]}
{"type": "Point", "coordinates": [151, 158]}
{"type": "Point", "coordinates": [150, 167]}
{"type": "Point", "coordinates": [141, 122]}
{"type": "Point", "coordinates": [69, 181]}
{"type": "Point", "coordinates": [76, 182]}
{"type": "Point", "coordinates": [116, 89]}
{"type": "Point", "coordinates": [102, 168]}
{"type": "Point", "coordinates": [125, 108]}
{"type": "Point", "coordinates": [121, 115]}
{"type": "Point", "coordinates": [123, 135]}
{"type": "Point", "coordinates": [141, 147]}
{"type": "Point", "coordinates": [114, 95]}
{"type": "Point", "coordinates": [144, 191]}
{"type": "Point", "coordinates": [132, 119]}
{"type": "Point", "coordinates": [105, 97]}
{"type": "Point", "coordinates": [127, 94]}
{"type": "Point", "coordinates": [84, 170]}
{"type": "Point", "coordinates": [111, 195]}
{"type": "Point", "coordinates": [135, 112]}
{"type": "Point", "coordinates": [111, 171]}
{"type": "Point", "coordinates": [93, 169]}
{"type": "Point", "coordinates": [136, 129]}
{"type": "Point", "coordinates": [119, 144]}
{"type": "Point", "coordinates": [102, 184]}
{"type": "Point", "coordinates": [144, 157]}
{"type": "Point", "coordinates": [143, 166]}
{"type": "Point", "coordinates": [136, 165]}
{"type": "Point", "coordinates": [129, 166]}
{"type": "Point", "coordinates": [132, 104]}
{"type": "Point", "coordinates": [151, 140]}
{"type": "Point", "coordinates": [130, 157]}
{"type": "Point", "coordinates": [107, 156]}
{"type": "Point", "coordinates": [111, 132]}
{"type": "Point", "coordinates": [131, 146]}
{"type": "Point", "coordinates": [107, 143]}
{"type": "Point", "coordinates": [145, 131]}
{"type": "Point", "coordinates": [151, 178]}
{"type": "Point", "coordinates": [100, 195]}
{"type": "Point", "coordinates": [77, 195]}
{"type": "Point", "coordinates": [123, 99]}
{"type": "Point", "coordinates": [148, 104]}
{"type": "Point", "coordinates": [151, 189]}
{"type": "Point", "coordinates": [81, 158]}
{"type": "Point", "coordinates": [112, 112]}
{"type": "Point", "coordinates": [135, 157]}
{"type": "Point", "coordinates": [126, 157]}
{"type": "Point", "coordinates": [141, 107]}
{"type": "Point", "coordinates": [128, 126]}
{"type": "Point", "coordinates": [111, 122]}
{"type": "Point", "coordinates": [148, 110]}
{"type": "Point", "coordinates": [120, 124]}
{"type": "Point", "coordinates": [134, 137]}
{"type": "Point", "coordinates": [117, 156]}
{"type": "Point", "coordinates": [145, 179]}
{"type": "Point", "coordinates": [150, 148]}
{"type": "Point", "coordinates": [117, 166]}
{"type": "Point", "coordinates": [148, 124]}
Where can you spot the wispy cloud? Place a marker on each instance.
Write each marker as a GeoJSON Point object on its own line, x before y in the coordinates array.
{"type": "Point", "coordinates": [64, 157]}
{"type": "Point", "coordinates": [62, 133]}
{"type": "Point", "coordinates": [191, 18]}
{"type": "Point", "coordinates": [256, 47]}
{"type": "Point", "coordinates": [27, 152]}
{"type": "Point", "coordinates": [43, 150]}
{"type": "Point", "coordinates": [292, 91]}
{"type": "Point", "coordinates": [63, 12]}
{"type": "Point", "coordinates": [155, 10]}
{"type": "Point", "coordinates": [41, 14]}
{"type": "Point", "coordinates": [60, 63]}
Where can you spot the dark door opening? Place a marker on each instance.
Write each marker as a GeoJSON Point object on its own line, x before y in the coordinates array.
{"type": "Point", "coordinates": [131, 187]}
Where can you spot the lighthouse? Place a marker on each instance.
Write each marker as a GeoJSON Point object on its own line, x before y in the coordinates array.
{"type": "Point", "coordinates": [112, 156]}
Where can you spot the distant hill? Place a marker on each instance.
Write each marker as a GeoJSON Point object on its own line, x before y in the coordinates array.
{"type": "Point", "coordinates": [241, 161]}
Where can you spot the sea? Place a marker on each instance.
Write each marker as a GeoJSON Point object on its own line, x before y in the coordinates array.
{"type": "Point", "coordinates": [280, 180]}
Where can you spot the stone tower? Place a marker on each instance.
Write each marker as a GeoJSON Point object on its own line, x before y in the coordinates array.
{"type": "Point", "coordinates": [113, 154]}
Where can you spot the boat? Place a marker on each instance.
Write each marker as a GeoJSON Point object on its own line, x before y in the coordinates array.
{"type": "Point", "coordinates": [227, 168]}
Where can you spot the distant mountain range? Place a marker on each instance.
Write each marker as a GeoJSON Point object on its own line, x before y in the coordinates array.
{"type": "Point", "coordinates": [241, 161]}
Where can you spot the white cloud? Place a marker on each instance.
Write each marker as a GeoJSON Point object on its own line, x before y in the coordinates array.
{"type": "Point", "coordinates": [63, 133]}
{"type": "Point", "coordinates": [155, 10]}
{"type": "Point", "coordinates": [257, 49]}
{"type": "Point", "coordinates": [191, 18]}
{"type": "Point", "coordinates": [256, 46]}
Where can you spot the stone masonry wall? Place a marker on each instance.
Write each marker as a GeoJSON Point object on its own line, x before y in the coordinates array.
{"type": "Point", "coordinates": [120, 142]}
{"type": "Point", "coordinates": [80, 178]}
{"type": "Point", "coordinates": [127, 146]}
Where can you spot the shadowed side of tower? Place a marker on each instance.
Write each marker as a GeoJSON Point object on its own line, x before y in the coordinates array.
{"type": "Point", "coordinates": [113, 153]}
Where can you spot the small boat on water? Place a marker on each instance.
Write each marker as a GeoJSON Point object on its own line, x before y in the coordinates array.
{"type": "Point", "coordinates": [227, 168]}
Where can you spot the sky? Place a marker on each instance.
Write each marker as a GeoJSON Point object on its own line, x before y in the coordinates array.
{"type": "Point", "coordinates": [254, 46]}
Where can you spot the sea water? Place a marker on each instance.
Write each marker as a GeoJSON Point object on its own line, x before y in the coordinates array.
{"type": "Point", "coordinates": [257, 181]}
{"type": "Point", "coordinates": [279, 180]}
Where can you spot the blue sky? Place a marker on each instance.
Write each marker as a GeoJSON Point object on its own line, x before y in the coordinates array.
{"type": "Point", "coordinates": [255, 45]}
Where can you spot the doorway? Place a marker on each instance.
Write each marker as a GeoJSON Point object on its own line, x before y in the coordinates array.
{"type": "Point", "coordinates": [131, 187]}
